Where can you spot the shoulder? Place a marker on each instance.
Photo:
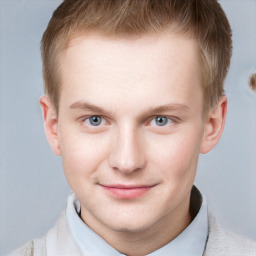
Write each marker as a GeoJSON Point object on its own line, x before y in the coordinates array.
{"type": "Point", "coordinates": [222, 242]}
{"type": "Point", "coordinates": [35, 247]}
{"type": "Point", "coordinates": [58, 241]}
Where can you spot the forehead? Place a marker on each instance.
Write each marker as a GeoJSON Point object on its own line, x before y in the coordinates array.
{"type": "Point", "coordinates": [151, 66]}
{"type": "Point", "coordinates": [164, 49]}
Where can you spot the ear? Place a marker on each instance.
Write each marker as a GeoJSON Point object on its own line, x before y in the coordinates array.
{"type": "Point", "coordinates": [214, 126]}
{"type": "Point", "coordinates": [50, 124]}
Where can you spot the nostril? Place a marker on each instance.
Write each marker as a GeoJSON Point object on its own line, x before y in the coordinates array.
{"type": "Point", "coordinates": [252, 82]}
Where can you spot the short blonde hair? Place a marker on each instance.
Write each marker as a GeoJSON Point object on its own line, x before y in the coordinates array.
{"type": "Point", "coordinates": [203, 19]}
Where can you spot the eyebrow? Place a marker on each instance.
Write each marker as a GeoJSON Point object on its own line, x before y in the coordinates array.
{"type": "Point", "coordinates": [180, 108]}
{"type": "Point", "coordinates": [168, 107]}
{"type": "Point", "coordinates": [86, 106]}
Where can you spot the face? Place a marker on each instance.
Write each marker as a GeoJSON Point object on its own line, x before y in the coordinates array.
{"type": "Point", "coordinates": [130, 128]}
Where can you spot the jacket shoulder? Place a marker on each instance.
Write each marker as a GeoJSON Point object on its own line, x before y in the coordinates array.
{"type": "Point", "coordinates": [222, 242]}
{"type": "Point", "coordinates": [58, 241]}
{"type": "Point", "coordinates": [35, 247]}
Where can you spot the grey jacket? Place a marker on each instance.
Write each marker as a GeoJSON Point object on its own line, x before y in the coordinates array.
{"type": "Point", "coordinates": [59, 242]}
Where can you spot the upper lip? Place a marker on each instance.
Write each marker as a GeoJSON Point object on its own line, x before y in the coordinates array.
{"type": "Point", "coordinates": [126, 186]}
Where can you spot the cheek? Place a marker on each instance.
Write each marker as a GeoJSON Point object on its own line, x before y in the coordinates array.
{"type": "Point", "coordinates": [81, 153]}
{"type": "Point", "coordinates": [177, 155]}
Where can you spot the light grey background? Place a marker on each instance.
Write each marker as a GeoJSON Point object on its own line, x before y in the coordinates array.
{"type": "Point", "coordinates": [33, 189]}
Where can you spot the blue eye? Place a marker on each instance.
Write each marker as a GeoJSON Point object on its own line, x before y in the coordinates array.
{"type": "Point", "coordinates": [95, 121]}
{"type": "Point", "coordinates": [161, 121]}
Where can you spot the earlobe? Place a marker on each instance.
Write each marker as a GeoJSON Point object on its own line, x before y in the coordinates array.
{"type": "Point", "coordinates": [214, 126]}
{"type": "Point", "coordinates": [50, 124]}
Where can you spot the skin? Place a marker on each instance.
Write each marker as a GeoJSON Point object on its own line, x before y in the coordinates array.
{"type": "Point", "coordinates": [132, 174]}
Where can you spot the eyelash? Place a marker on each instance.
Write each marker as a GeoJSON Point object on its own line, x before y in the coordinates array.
{"type": "Point", "coordinates": [168, 119]}
{"type": "Point", "coordinates": [88, 119]}
{"type": "Point", "coordinates": [171, 121]}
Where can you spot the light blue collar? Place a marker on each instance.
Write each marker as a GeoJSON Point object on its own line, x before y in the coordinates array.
{"type": "Point", "coordinates": [190, 242]}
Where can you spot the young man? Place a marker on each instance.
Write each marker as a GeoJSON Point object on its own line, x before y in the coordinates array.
{"type": "Point", "coordinates": [134, 93]}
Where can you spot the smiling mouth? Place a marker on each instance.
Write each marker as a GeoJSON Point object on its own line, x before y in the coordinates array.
{"type": "Point", "coordinates": [126, 192]}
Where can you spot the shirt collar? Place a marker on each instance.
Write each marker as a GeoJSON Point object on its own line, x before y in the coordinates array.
{"type": "Point", "coordinates": [191, 241]}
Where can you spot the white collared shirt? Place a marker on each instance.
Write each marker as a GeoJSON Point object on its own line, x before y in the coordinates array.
{"type": "Point", "coordinates": [191, 242]}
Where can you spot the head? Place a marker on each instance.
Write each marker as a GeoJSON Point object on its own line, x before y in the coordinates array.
{"type": "Point", "coordinates": [204, 20]}
{"type": "Point", "coordinates": [134, 93]}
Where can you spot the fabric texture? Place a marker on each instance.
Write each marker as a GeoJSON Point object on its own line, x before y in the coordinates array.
{"type": "Point", "coordinates": [223, 243]}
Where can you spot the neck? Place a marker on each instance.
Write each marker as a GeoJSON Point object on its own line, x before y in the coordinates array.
{"type": "Point", "coordinates": [143, 242]}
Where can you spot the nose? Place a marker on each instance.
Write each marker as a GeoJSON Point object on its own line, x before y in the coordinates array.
{"type": "Point", "coordinates": [127, 151]}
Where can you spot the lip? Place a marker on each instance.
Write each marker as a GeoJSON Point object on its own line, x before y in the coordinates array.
{"type": "Point", "coordinates": [122, 191]}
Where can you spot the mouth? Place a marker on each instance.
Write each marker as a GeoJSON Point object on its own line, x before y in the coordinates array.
{"type": "Point", "coordinates": [122, 191]}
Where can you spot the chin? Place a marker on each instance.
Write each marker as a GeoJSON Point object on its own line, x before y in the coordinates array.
{"type": "Point", "coordinates": [130, 223]}
{"type": "Point", "coordinates": [131, 227]}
